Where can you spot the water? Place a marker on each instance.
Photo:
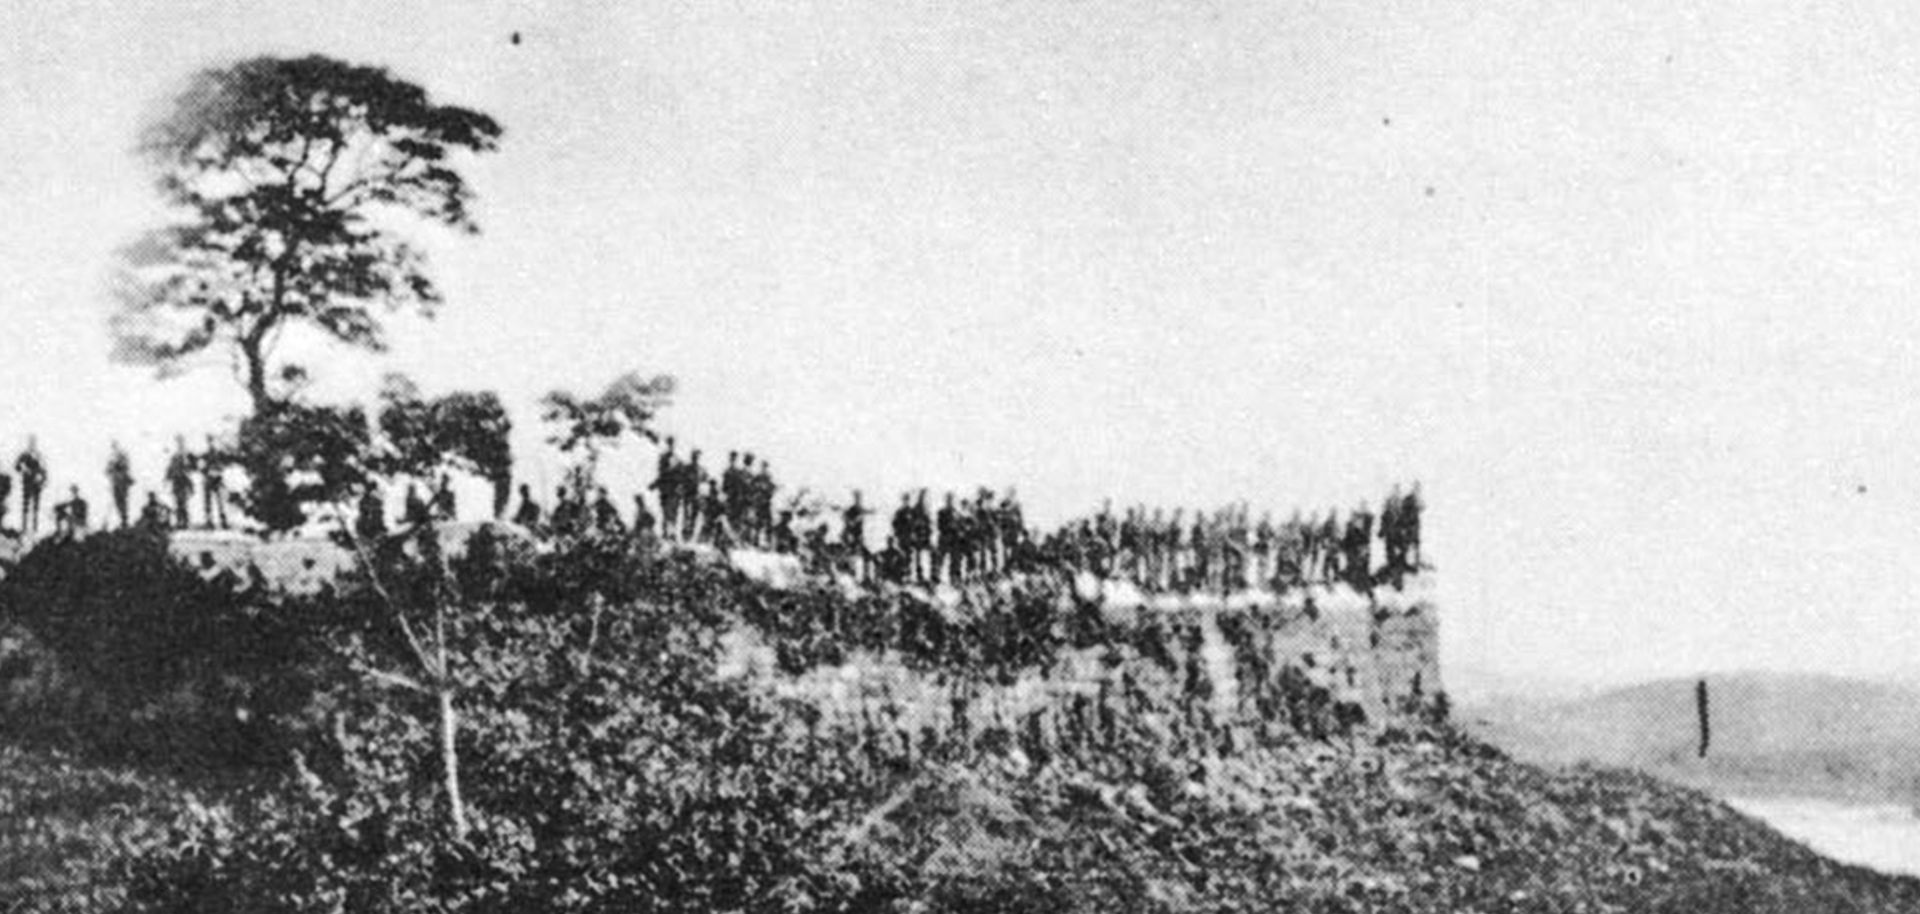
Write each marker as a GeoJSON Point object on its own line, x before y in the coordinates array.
{"type": "Point", "coordinates": [1885, 837]}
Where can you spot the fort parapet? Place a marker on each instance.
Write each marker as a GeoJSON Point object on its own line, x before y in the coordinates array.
{"type": "Point", "coordinates": [1223, 661]}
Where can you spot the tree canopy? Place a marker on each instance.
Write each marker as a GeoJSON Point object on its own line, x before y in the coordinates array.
{"type": "Point", "coordinates": [626, 407]}
{"type": "Point", "coordinates": [287, 178]}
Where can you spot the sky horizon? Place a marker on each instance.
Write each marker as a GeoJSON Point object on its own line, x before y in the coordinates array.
{"type": "Point", "coordinates": [1624, 289]}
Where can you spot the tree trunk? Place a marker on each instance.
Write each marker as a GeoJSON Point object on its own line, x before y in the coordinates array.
{"type": "Point", "coordinates": [450, 765]}
{"type": "Point", "coordinates": [252, 348]}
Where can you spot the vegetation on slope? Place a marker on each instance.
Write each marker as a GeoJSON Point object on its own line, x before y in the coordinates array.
{"type": "Point", "coordinates": [606, 764]}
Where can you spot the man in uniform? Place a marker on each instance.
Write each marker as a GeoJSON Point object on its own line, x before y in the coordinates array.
{"type": "Point", "coordinates": [853, 536]}
{"type": "Point", "coordinates": [902, 539]}
{"type": "Point", "coordinates": [693, 480]}
{"type": "Point", "coordinates": [6, 489]}
{"type": "Point", "coordinates": [1011, 527]}
{"type": "Point", "coordinates": [213, 486]}
{"type": "Point", "coordinates": [120, 481]}
{"type": "Point", "coordinates": [180, 481]}
{"type": "Point", "coordinates": [606, 517]}
{"type": "Point", "coordinates": [567, 512]}
{"type": "Point", "coordinates": [733, 490]}
{"type": "Point", "coordinates": [529, 514]}
{"type": "Point", "coordinates": [763, 490]}
{"type": "Point", "coordinates": [370, 520]}
{"type": "Point", "coordinates": [642, 517]}
{"type": "Point", "coordinates": [71, 514]}
{"type": "Point", "coordinates": [1410, 509]}
{"type": "Point", "coordinates": [444, 507]}
{"type": "Point", "coordinates": [33, 481]}
{"type": "Point", "coordinates": [1329, 537]}
{"type": "Point", "coordinates": [666, 482]}
{"type": "Point", "coordinates": [415, 511]}
{"type": "Point", "coordinates": [922, 545]}
{"type": "Point", "coordinates": [154, 516]}
{"type": "Point", "coordinates": [946, 562]}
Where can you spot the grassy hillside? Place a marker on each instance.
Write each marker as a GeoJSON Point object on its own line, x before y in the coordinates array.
{"type": "Point", "coordinates": [1772, 733]}
{"type": "Point", "coordinates": [1423, 823]}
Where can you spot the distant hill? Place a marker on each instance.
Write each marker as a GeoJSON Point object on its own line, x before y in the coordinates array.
{"type": "Point", "coordinates": [1773, 733]}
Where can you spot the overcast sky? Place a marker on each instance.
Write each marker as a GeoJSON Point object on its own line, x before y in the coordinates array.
{"type": "Point", "coordinates": [1629, 290]}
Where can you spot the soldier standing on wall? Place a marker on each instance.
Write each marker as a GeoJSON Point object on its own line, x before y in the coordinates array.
{"type": "Point", "coordinates": [444, 507]}
{"type": "Point", "coordinates": [1391, 530]}
{"type": "Point", "coordinates": [642, 517]}
{"type": "Point", "coordinates": [154, 515]}
{"type": "Point", "coordinates": [417, 512]}
{"type": "Point", "coordinates": [733, 490]}
{"type": "Point", "coordinates": [901, 539]}
{"type": "Point", "coordinates": [1329, 540]}
{"type": "Point", "coordinates": [763, 490]}
{"type": "Point", "coordinates": [566, 512]}
{"type": "Point", "coordinates": [1410, 509]}
{"type": "Point", "coordinates": [370, 520]}
{"type": "Point", "coordinates": [606, 517]}
{"type": "Point", "coordinates": [853, 536]}
{"type": "Point", "coordinates": [1359, 547]}
{"type": "Point", "coordinates": [213, 486]}
{"type": "Point", "coordinates": [120, 481]}
{"type": "Point", "coordinates": [180, 481]}
{"type": "Point", "coordinates": [666, 475]}
{"type": "Point", "coordinates": [693, 481]}
{"type": "Point", "coordinates": [529, 514]}
{"type": "Point", "coordinates": [921, 547]}
{"type": "Point", "coordinates": [33, 481]}
{"type": "Point", "coordinates": [946, 562]}
{"type": "Point", "coordinates": [73, 512]}
{"type": "Point", "coordinates": [1012, 528]}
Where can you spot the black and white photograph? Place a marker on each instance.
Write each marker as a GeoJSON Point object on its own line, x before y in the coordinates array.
{"type": "Point", "coordinates": [1075, 457]}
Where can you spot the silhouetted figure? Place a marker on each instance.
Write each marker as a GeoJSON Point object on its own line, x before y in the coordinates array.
{"type": "Point", "coordinates": [502, 494]}
{"type": "Point", "coordinates": [213, 486]}
{"type": "Point", "coordinates": [946, 562]}
{"type": "Point", "coordinates": [6, 490]}
{"type": "Point", "coordinates": [853, 535]}
{"type": "Point", "coordinates": [444, 507]}
{"type": "Point", "coordinates": [529, 514]}
{"type": "Point", "coordinates": [416, 511]}
{"type": "Point", "coordinates": [154, 516]}
{"type": "Point", "coordinates": [666, 487]}
{"type": "Point", "coordinates": [713, 511]}
{"type": "Point", "coordinates": [606, 517]}
{"type": "Point", "coordinates": [733, 490]}
{"type": "Point", "coordinates": [642, 517]}
{"type": "Point", "coordinates": [120, 481]}
{"type": "Point", "coordinates": [370, 518]}
{"type": "Point", "coordinates": [567, 512]}
{"type": "Point", "coordinates": [693, 481]}
{"type": "Point", "coordinates": [32, 470]}
{"type": "Point", "coordinates": [902, 539]}
{"type": "Point", "coordinates": [761, 491]}
{"type": "Point", "coordinates": [921, 547]}
{"type": "Point", "coordinates": [1410, 510]}
{"type": "Point", "coordinates": [180, 482]}
{"type": "Point", "coordinates": [70, 516]}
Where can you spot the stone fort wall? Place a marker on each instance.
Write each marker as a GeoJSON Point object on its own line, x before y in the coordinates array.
{"type": "Point", "coordinates": [1222, 661]}
{"type": "Point", "coordinates": [1218, 662]}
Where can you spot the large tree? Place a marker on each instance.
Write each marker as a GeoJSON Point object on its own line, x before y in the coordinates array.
{"type": "Point", "coordinates": [288, 180]}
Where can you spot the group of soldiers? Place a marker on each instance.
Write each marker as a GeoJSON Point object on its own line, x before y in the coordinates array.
{"type": "Point", "coordinates": [737, 508]}
{"type": "Point", "coordinates": [964, 540]}
{"type": "Point", "coordinates": [1225, 549]}
{"type": "Point", "coordinates": [73, 515]}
